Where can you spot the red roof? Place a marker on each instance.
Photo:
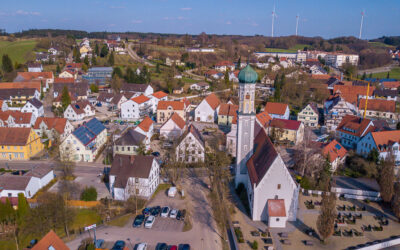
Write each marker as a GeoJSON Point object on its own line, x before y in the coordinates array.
{"type": "Point", "coordinates": [320, 77]}
{"type": "Point", "coordinates": [140, 99]}
{"type": "Point", "coordinates": [50, 240]}
{"type": "Point", "coordinates": [350, 93]}
{"type": "Point", "coordinates": [160, 94]}
{"type": "Point", "coordinates": [391, 85]}
{"type": "Point", "coordinates": [28, 76]}
{"type": "Point", "coordinates": [21, 85]}
{"type": "Point", "coordinates": [276, 208]}
{"type": "Point", "coordinates": [334, 149]}
{"type": "Point", "coordinates": [285, 124]}
{"type": "Point", "coordinates": [378, 105]}
{"type": "Point", "coordinates": [355, 125]}
{"type": "Point", "coordinates": [175, 105]}
{"type": "Point", "coordinates": [145, 124]}
{"type": "Point", "coordinates": [264, 118]}
{"type": "Point", "coordinates": [276, 108]}
{"type": "Point", "coordinates": [52, 123]}
{"type": "Point", "coordinates": [384, 139]}
{"type": "Point", "coordinates": [213, 101]}
{"type": "Point", "coordinates": [211, 72]}
{"type": "Point", "coordinates": [64, 80]}
{"type": "Point", "coordinates": [228, 109]}
{"type": "Point", "coordinates": [225, 63]}
{"type": "Point", "coordinates": [73, 65]}
{"type": "Point", "coordinates": [178, 120]}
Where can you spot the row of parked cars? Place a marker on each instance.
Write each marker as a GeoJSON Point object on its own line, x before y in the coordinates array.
{"type": "Point", "coordinates": [149, 215]}
{"type": "Point", "coordinates": [120, 245]}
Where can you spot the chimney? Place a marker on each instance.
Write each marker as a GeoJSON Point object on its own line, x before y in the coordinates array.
{"type": "Point", "coordinates": [132, 159]}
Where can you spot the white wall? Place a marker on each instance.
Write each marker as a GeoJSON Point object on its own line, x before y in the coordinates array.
{"type": "Point", "coordinates": [204, 113]}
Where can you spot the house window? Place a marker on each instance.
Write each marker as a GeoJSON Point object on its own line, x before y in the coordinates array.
{"type": "Point", "coordinates": [279, 186]}
{"type": "Point", "coordinates": [276, 197]}
{"type": "Point", "coordinates": [136, 180]}
{"type": "Point", "coordinates": [277, 219]}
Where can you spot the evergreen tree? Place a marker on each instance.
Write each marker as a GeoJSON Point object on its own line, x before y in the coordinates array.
{"type": "Point", "coordinates": [104, 51]}
{"type": "Point", "coordinates": [326, 219]}
{"type": "Point", "coordinates": [58, 69]}
{"type": "Point", "coordinates": [239, 62]}
{"type": "Point", "coordinates": [117, 72]}
{"type": "Point", "coordinates": [386, 177]}
{"type": "Point", "coordinates": [388, 75]}
{"type": "Point", "coordinates": [396, 200]}
{"type": "Point", "coordinates": [97, 49]}
{"type": "Point", "coordinates": [89, 194]}
{"type": "Point", "coordinates": [86, 60]}
{"type": "Point", "coordinates": [226, 78]}
{"type": "Point", "coordinates": [158, 68]}
{"type": "Point", "coordinates": [23, 206]}
{"type": "Point", "coordinates": [94, 61]}
{"type": "Point", "coordinates": [364, 76]}
{"type": "Point", "coordinates": [65, 98]}
{"type": "Point", "coordinates": [111, 59]}
{"type": "Point", "coordinates": [7, 64]}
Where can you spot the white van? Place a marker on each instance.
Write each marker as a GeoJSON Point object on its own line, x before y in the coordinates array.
{"type": "Point", "coordinates": [172, 192]}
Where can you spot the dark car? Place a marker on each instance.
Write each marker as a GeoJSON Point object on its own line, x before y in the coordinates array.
{"type": "Point", "coordinates": [119, 245]}
{"type": "Point", "coordinates": [179, 215]}
{"type": "Point", "coordinates": [155, 211]}
{"type": "Point", "coordinates": [138, 220]}
{"type": "Point", "coordinates": [184, 247]}
{"type": "Point", "coordinates": [156, 154]}
{"type": "Point", "coordinates": [146, 211]}
{"type": "Point", "coordinates": [183, 214]}
{"type": "Point", "coordinates": [162, 246]}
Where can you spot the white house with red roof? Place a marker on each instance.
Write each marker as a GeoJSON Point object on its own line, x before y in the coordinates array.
{"type": "Point", "coordinates": [173, 128]}
{"type": "Point", "coordinates": [352, 128]}
{"type": "Point", "coordinates": [79, 111]}
{"type": "Point", "coordinates": [52, 127]}
{"type": "Point", "coordinates": [335, 153]}
{"type": "Point", "coordinates": [207, 110]}
{"type": "Point", "coordinates": [222, 66]}
{"type": "Point", "coordinates": [67, 74]}
{"type": "Point", "coordinates": [136, 107]}
{"type": "Point", "coordinates": [146, 127]}
{"type": "Point", "coordinates": [156, 97]}
{"type": "Point", "coordinates": [286, 130]}
{"type": "Point", "coordinates": [277, 110]}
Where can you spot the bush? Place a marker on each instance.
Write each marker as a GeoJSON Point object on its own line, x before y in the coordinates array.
{"type": "Point", "coordinates": [254, 245]}
{"type": "Point", "coordinates": [89, 194]}
{"type": "Point", "coordinates": [239, 235]}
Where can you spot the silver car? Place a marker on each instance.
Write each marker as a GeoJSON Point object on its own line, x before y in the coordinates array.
{"type": "Point", "coordinates": [173, 213]}
{"type": "Point", "coordinates": [149, 221]}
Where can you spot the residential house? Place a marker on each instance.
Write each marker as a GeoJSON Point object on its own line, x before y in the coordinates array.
{"type": "Point", "coordinates": [19, 143]}
{"type": "Point", "coordinates": [309, 116]}
{"type": "Point", "coordinates": [137, 176]}
{"type": "Point", "coordinates": [137, 89]}
{"type": "Point", "coordinates": [207, 110]}
{"type": "Point", "coordinates": [392, 85]}
{"type": "Point", "coordinates": [3, 105]}
{"type": "Point", "coordinates": [35, 67]}
{"type": "Point", "coordinates": [335, 109]}
{"type": "Point", "coordinates": [223, 66]}
{"type": "Point", "coordinates": [85, 142]}
{"type": "Point", "coordinates": [53, 127]}
{"type": "Point", "coordinates": [351, 129]}
{"type": "Point", "coordinates": [165, 109]}
{"type": "Point", "coordinates": [50, 241]}
{"type": "Point", "coordinates": [42, 57]}
{"type": "Point", "coordinates": [335, 153]}
{"type": "Point", "coordinates": [136, 108]}
{"type": "Point", "coordinates": [57, 102]}
{"type": "Point", "coordinates": [233, 76]}
{"type": "Point", "coordinates": [170, 62]}
{"type": "Point", "coordinates": [79, 111]}
{"type": "Point", "coordinates": [129, 143]}
{"type": "Point", "coordinates": [227, 114]}
{"type": "Point", "coordinates": [20, 85]}
{"type": "Point", "coordinates": [385, 142]}
{"type": "Point", "coordinates": [44, 78]}
{"type": "Point", "coordinates": [16, 119]}
{"type": "Point", "coordinates": [98, 75]}
{"type": "Point", "coordinates": [277, 110]}
{"type": "Point", "coordinates": [213, 74]}
{"type": "Point", "coordinates": [200, 86]}
{"type": "Point", "coordinates": [79, 90]}
{"type": "Point", "coordinates": [156, 97]}
{"type": "Point", "coordinates": [378, 109]}
{"type": "Point", "coordinates": [68, 74]}
{"type": "Point", "coordinates": [33, 106]}
{"type": "Point", "coordinates": [352, 94]}
{"type": "Point", "coordinates": [332, 82]}
{"type": "Point", "coordinates": [177, 91]}
{"type": "Point", "coordinates": [54, 51]}
{"type": "Point", "coordinates": [317, 70]}
{"type": "Point", "coordinates": [105, 98]}
{"type": "Point", "coordinates": [286, 130]}
{"type": "Point", "coordinates": [28, 183]}
{"type": "Point", "coordinates": [117, 101]}
{"type": "Point", "coordinates": [267, 80]}
{"type": "Point", "coordinates": [275, 68]}
{"type": "Point", "coordinates": [337, 60]}
{"type": "Point", "coordinates": [146, 127]}
{"type": "Point", "coordinates": [173, 128]}
{"type": "Point", "coordinates": [191, 149]}
{"type": "Point", "coordinates": [73, 66]}
{"type": "Point", "coordinates": [386, 94]}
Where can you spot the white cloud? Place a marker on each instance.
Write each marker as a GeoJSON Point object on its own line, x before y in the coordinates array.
{"type": "Point", "coordinates": [137, 21]}
{"type": "Point", "coordinates": [228, 22]}
{"type": "Point", "coordinates": [186, 9]}
{"type": "Point", "coordinates": [25, 13]}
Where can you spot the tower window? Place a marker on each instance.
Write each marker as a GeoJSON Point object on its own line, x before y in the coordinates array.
{"type": "Point", "coordinates": [247, 96]}
{"type": "Point", "coordinates": [279, 186]}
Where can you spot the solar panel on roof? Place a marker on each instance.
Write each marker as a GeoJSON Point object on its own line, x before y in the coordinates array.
{"type": "Point", "coordinates": [338, 147]}
{"type": "Point", "coordinates": [95, 126]}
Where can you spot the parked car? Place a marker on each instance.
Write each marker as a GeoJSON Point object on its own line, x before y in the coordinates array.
{"type": "Point", "coordinates": [162, 246]}
{"type": "Point", "coordinates": [141, 246]}
{"type": "Point", "coordinates": [99, 243]}
{"type": "Point", "coordinates": [149, 221]}
{"type": "Point", "coordinates": [173, 213]}
{"type": "Point", "coordinates": [155, 211]}
{"type": "Point", "coordinates": [165, 212]}
{"type": "Point", "coordinates": [138, 220]}
{"type": "Point", "coordinates": [183, 214]}
{"type": "Point", "coordinates": [179, 215]}
{"type": "Point", "coordinates": [172, 192]}
{"type": "Point", "coordinates": [98, 104]}
{"type": "Point", "coordinates": [156, 154]}
{"type": "Point", "coordinates": [173, 247]}
{"type": "Point", "coordinates": [146, 211]}
{"type": "Point", "coordinates": [184, 247]}
{"type": "Point", "coordinates": [119, 245]}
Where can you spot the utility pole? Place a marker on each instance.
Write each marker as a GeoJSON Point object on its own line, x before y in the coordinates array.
{"type": "Point", "coordinates": [297, 23]}
{"type": "Point", "coordinates": [361, 25]}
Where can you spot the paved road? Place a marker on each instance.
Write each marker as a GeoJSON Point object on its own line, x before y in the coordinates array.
{"type": "Point", "coordinates": [48, 102]}
{"type": "Point", "coordinates": [199, 95]}
{"type": "Point", "coordinates": [135, 57]}
{"type": "Point", "coordinates": [379, 69]}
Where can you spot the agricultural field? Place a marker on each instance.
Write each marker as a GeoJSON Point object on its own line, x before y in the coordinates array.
{"type": "Point", "coordinates": [394, 73]}
{"type": "Point", "coordinates": [293, 49]}
{"type": "Point", "coordinates": [19, 51]}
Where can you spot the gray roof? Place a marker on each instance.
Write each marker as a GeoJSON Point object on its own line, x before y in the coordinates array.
{"type": "Point", "coordinates": [6, 93]}
{"type": "Point", "coordinates": [385, 92]}
{"type": "Point", "coordinates": [365, 184]}
{"type": "Point", "coordinates": [130, 138]}
{"type": "Point", "coordinates": [39, 171]}
{"type": "Point", "coordinates": [14, 182]}
{"type": "Point", "coordinates": [126, 166]}
{"type": "Point", "coordinates": [134, 87]}
{"type": "Point", "coordinates": [78, 89]}
{"type": "Point", "coordinates": [36, 103]}
{"type": "Point", "coordinates": [97, 69]}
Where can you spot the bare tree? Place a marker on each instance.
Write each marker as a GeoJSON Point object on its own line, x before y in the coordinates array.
{"type": "Point", "coordinates": [396, 200]}
{"type": "Point", "coordinates": [386, 177]}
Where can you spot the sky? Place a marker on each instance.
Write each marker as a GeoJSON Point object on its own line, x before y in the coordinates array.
{"type": "Point", "coordinates": [324, 18]}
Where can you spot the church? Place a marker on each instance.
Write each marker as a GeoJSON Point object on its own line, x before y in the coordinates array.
{"type": "Point", "coordinates": [272, 191]}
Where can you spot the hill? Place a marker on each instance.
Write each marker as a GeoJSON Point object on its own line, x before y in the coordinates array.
{"type": "Point", "coordinates": [19, 51]}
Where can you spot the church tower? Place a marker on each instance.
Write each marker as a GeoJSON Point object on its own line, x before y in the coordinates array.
{"type": "Point", "coordinates": [246, 121]}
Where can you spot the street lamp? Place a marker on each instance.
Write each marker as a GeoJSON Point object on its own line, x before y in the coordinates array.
{"type": "Point", "coordinates": [128, 239]}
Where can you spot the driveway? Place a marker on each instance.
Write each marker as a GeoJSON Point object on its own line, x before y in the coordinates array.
{"type": "Point", "coordinates": [203, 234]}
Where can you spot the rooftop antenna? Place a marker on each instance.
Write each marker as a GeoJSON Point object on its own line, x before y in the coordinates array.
{"type": "Point", "coordinates": [361, 25]}
{"type": "Point", "coordinates": [273, 19]}
{"type": "Point", "coordinates": [297, 23]}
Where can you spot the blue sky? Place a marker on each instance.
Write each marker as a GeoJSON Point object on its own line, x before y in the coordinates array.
{"type": "Point", "coordinates": [317, 17]}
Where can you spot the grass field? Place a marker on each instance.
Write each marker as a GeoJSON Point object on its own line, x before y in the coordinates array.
{"type": "Point", "coordinates": [19, 51]}
{"type": "Point", "coordinates": [85, 217]}
{"type": "Point", "coordinates": [290, 50]}
{"type": "Point", "coordinates": [379, 44]}
{"type": "Point", "coordinates": [394, 73]}
{"type": "Point", "coordinates": [123, 60]}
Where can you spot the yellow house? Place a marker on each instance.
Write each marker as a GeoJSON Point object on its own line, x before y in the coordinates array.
{"type": "Point", "coordinates": [19, 143]}
{"type": "Point", "coordinates": [165, 109]}
{"type": "Point", "coordinates": [84, 49]}
{"type": "Point", "coordinates": [227, 114]}
{"type": "Point", "coordinates": [286, 130]}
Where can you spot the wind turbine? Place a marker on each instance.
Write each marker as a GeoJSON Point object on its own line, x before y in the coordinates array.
{"type": "Point", "coordinates": [273, 19]}
{"type": "Point", "coordinates": [361, 25]}
{"type": "Point", "coordinates": [297, 23]}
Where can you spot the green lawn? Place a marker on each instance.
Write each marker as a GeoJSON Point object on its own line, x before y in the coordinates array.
{"type": "Point", "coordinates": [120, 221]}
{"type": "Point", "coordinates": [290, 50]}
{"type": "Point", "coordinates": [394, 73]}
{"type": "Point", "coordinates": [19, 51]}
{"type": "Point", "coordinates": [379, 44]}
{"type": "Point", "coordinates": [85, 217]}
